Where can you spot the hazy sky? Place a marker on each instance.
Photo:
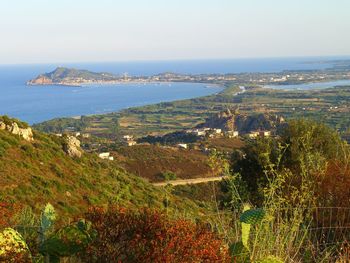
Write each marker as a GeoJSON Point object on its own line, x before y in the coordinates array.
{"type": "Point", "coordinates": [114, 30]}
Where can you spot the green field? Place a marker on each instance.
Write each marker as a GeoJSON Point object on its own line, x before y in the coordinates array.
{"type": "Point", "coordinates": [331, 106]}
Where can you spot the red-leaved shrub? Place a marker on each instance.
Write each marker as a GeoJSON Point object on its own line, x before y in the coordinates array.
{"type": "Point", "coordinates": [150, 236]}
{"type": "Point", "coordinates": [7, 212]}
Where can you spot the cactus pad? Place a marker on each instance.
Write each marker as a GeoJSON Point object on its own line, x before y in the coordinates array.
{"type": "Point", "coordinates": [252, 216]}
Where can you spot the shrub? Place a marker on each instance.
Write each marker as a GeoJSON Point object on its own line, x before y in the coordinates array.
{"type": "Point", "coordinates": [13, 247]}
{"type": "Point", "coordinates": [150, 236]}
{"type": "Point", "coordinates": [168, 176]}
{"type": "Point", "coordinates": [68, 240]}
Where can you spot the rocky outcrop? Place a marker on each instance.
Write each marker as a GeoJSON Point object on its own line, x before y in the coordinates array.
{"type": "Point", "coordinates": [40, 80]}
{"type": "Point", "coordinates": [72, 146]}
{"type": "Point", "coordinates": [224, 120]}
{"type": "Point", "coordinates": [230, 120]}
{"type": "Point", "coordinates": [25, 133]}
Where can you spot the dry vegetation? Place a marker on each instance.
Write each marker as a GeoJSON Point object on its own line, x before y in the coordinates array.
{"type": "Point", "coordinates": [150, 161]}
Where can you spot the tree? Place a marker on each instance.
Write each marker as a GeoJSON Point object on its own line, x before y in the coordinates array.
{"type": "Point", "coordinates": [305, 137]}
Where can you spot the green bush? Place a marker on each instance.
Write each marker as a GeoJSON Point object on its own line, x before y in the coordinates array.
{"type": "Point", "coordinates": [168, 176]}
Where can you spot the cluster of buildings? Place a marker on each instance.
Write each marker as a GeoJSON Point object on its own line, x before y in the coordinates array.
{"type": "Point", "coordinates": [256, 134]}
{"type": "Point", "coordinates": [128, 140]}
{"type": "Point", "coordinates": [212, 132]}
{"type": "Point", "coordinates": [75, 134]}
{"type": "Point", "coordinates": [216, 132]}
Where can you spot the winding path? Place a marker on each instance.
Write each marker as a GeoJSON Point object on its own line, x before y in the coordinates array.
{"type": "Point", "coordinates": [191, 181]}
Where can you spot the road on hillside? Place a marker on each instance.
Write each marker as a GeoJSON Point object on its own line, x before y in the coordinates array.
{"type": "Point", "coordinates": [191, 181]}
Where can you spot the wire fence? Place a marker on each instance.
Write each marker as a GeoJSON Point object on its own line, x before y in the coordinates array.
{"type": "Point", "coordinates": [318, 234]}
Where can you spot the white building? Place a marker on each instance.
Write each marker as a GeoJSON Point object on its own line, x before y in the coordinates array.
{"type": "Point", "coordinates": [86, 135]}
{"type": "Point", "coordinates": [253, 134]}
{"type": "Point", "coordinates": [130, 143]}
{"type": "Point", "coordinates": [128, 137]}
{"type": "Point", "coordinates": [232, 134]}
{"type": "Point", "coordinates": [218, 131]}
{"type": "Point", "coordinates": [106, 156]}
{"type": "Point", "coordinates": [256, 134]}
{"type": "Point", "coordinates": [182, 145]}
{"type": "Point", "coordinates": [264, 133]}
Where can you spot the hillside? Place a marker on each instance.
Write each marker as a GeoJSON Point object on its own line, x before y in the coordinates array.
{"type": "Point", "coordinates": [70, 76]}
{"type": "Point", "coordinates": [39, 171]}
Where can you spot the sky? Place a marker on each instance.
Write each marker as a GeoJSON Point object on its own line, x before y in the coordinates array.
{"type": "Point", "coordinates": [46, 31]}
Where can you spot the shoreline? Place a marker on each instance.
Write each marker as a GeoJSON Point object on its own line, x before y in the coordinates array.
{"type": "Point", "coordinates": [103, 83]}
{"type": "Point", "coordinates": [301, 86]}
{"type": "Point", "coordinates": [205, 86]}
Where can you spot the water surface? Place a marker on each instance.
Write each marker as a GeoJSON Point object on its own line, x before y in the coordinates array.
{"type": "Point", "coordinates": [39, 103]}
{"type": "Point", "coordinates": [312, 85]}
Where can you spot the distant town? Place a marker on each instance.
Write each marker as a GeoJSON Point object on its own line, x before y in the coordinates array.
{"type": "Point", "coordinates": [76, 77]}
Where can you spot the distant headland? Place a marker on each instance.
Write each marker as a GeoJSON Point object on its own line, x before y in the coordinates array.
{"type": "Point", "coordinates": [78, 77]}
{"type": "Point", "coordinates": [72, 77]}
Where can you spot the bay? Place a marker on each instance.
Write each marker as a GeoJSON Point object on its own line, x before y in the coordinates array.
{"type": "Point", "coordinates": [35, 104]}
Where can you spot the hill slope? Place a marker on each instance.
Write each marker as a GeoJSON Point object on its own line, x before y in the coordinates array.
{"type": "Point", "coordinates": [33, 173]}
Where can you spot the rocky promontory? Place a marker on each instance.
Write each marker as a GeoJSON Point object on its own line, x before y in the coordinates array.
{"type": "Point", "coordinates": [72, 77]}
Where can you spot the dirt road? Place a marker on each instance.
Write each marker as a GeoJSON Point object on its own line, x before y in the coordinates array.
{"type": "Point", "coordinates": [191, 181]}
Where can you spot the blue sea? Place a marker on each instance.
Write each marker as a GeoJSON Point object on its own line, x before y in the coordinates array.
{"type": "Point", "coordinates": [35, 104]}
{"type": "Point", "coordinates": [312, 85]}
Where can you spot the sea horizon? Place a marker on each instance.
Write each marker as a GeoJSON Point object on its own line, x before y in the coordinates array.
{"type": "Point", "coordinates": [215, 66]}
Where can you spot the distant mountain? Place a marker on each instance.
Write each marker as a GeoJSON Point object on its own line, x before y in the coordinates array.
{"type": "Point", "coordinates": [71, 76]}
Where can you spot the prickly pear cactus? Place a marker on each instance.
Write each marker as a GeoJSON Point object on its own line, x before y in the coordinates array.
{"type": "Point", "coordinates": [252, 216]}
{"type": "Point", "coordinates": [239, 253]}
{"type": "Point", "coordinates": [48, 217]}
{"type": "Point", "coordinates": [68, 240]}
{"type": "Point", "coordinates": [271, 259]}
{"type": "Point", "coordinates": [13, 247]}
{"type": "Point", "coordinates": [245, 228]}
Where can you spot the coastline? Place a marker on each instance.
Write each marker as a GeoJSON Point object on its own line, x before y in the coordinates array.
{"type": "Point", "coordinates": [222, 86]}
{"type": "Point", "coordinates": [309, 85]}
{"type": "Point", "coordinates": [121, 82]}
{"type": "Point", "coordinates": [216, 88]}
{"type": "Point", "coordinates": [212, 85]}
